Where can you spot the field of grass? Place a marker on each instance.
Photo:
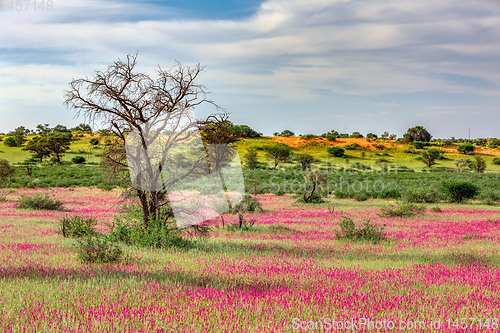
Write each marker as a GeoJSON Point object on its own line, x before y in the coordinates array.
{"type": "Point", "coordinates": [288, 272]}
{"type": "Point", "coordinates": [393, 152]}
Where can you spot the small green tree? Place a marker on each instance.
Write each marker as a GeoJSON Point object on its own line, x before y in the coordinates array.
{"type": "Point", "coordinates": [39, 148]}
{"type": "Point", "coordinates": [245, 131]}
{"type": "Point", "coordinates": [429, 157]}
{"type": "Point", "coordinates": [251, 158]}
{"type": "Point", "coordinates": [417, 133]}
{"type": "Point", "coordinates": [459, 190]}
{"type": "Point", "coordinates": [314, 180]}
{"type": "Point", "coordinates": [371, 136]}
{"type": "Point", "coordinates": [495, 161]}
{"type": "Point", "coordinates": [478, 164]}
{"type": "Point", "coordinates": [17, 137]}
{"type": "Point", "coordinates": [461, 164]}
{"type": "Point", "coordinates": [279, 152]}
{"type": "Point", "coordinates": [356, 135]}
{"type": "Point", "coordinates": [335, 151]}
{"type": "Point", "coordinates": [287, 133]}
{"type": "Point", "coordinates": [305, 161]}
{"type": "Point", "coordinates": [6, 171]}
{"type": "Point", "coordinates": [493, 143]}
{"type": "Point", "coordinates": [82, 128]}
{"type": "Point", "coordinates": [466, 148]}
{"type": "Point", "coordinates": [10, 142]}
{"type": "Point", "coordinates": [58, 143]}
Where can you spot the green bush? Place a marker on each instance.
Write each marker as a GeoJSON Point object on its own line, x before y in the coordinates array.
{"type": "Point", "coordinates": [40, 201]}
{"type": "Point", "coordinates": [248, 204]}
{"type": "Point", "coordinates": [405, 209]}
{"type": "Point", "coordinates": [495, 161]}
{"type": "Point", "coordinates": [78, 159]}
{"type": "Point", "coordinates": [159, 234]}
{"type": "Point", "coordinates": [466, 148]}
{"type": "Point", "coordinates": [352, 146]}
{"type": "Point", "coordinates": [420, 195]}
{"type": "Point", "coordinates": [369, 232]}
{"type": "Point", "coordinates": [459, 190]}
{"type": "Point", "coordinates": [489, 197]}
{"type": "Point", "coordinates": [360, 196]}
{"type": "Point", "coordinates": [97, 248]}
{"type": "Point", "coordinates": [335, 151]}
{"type": "Point", "coordinates": [10, 142]}
{"type": "Point", "coordinates": [77, 226]}
{"type": "Point", "coordinates": [418, 144]}
{"type": "Point", "coordinates": [94, 141]}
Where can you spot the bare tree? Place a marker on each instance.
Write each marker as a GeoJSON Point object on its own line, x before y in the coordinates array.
{"type": "Point", "coordinates": [138, 110]}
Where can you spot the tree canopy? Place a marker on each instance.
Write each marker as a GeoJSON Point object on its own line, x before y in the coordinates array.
{"type": "Point", "coordinates": [417, 133]}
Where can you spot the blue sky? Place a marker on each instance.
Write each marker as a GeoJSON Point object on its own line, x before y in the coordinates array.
{"type": "Point", "coordinates": [305, 65]}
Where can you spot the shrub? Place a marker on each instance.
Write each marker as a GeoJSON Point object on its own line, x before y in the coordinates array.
{"type": "Point", "coordinates": [418, 144]}
{"type": "Point", "coordinates": [352, 146]}
{"type": "Point", "coordinates": [478, 164]}
{"type": "Point", "coordinates": [461, 164]}
{"type": "Point", "coordinates": [466, 148]}
{"type": "Point", "coordinates": [314, 180]}
{"type": "Point", "coordinates": [78, 159]}
{"type": "Point", "coordinates": [248, 204]}
{"type": "Point", "coordinates": [6, 170]}
{"type": "Point", "coordinates": [305, 161]}
{"type": "Point", "coordinates": [494, 143]}
{"type": "Point", "coordinates": [129, 229]}
{"type": "Point", "coordinates": [335, 151]}
{"type": "Point", "coordinates": [251, 159]}
{"type": "Point", "coordinates": [77, 226]}
{"type": "Point", "coordinates": [369, 232]}
{"type": "Point", "coordinates": [360, 196]}
{"type": "Point", "coordinates": [495, 161]}
{"type": "Point", "coordinates": [411, 150]}
{"type": "Point", "coordinates": [420, 195]}
{"type": "Point", "coordinates": [40, 201]}
{"type": "Point", "coordinates": [459, 190]}
{"type": "Point", "coordinates": [97, 248]}
{"type": "Point", "coordinates": [489, 197]}
{"type": "Point", "coordinates": [10, 142]}
{"type": "Point", "coordinates": [405, 209]}
{"type": "Point", "coordinates": [436, 209]}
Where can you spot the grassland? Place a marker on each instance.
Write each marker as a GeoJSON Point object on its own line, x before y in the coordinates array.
{"type": "Point", "coordinates": [289, 270]}
{"type": "Point", "coordinates": [287, 273]}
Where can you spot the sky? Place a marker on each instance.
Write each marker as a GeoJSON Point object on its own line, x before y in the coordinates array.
{"type": "Point", "coordinates": [309, 66]}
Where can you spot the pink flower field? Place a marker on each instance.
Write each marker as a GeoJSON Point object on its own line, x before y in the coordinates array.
{"type": "Point", "coordinates": [438, 272]}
